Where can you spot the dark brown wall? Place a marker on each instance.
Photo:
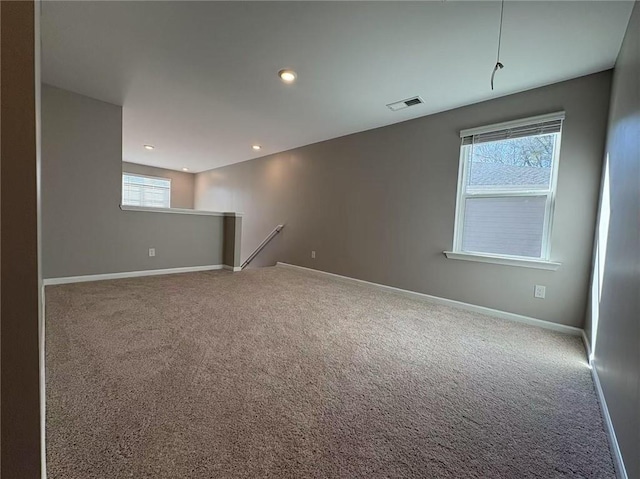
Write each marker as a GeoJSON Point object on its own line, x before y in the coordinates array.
{"type": "Point", "coordinates": [229, 240]}
{"type": "Point", "coordinates": [232, 239]}
{"type": "Point", "coordinates": [19, 244]}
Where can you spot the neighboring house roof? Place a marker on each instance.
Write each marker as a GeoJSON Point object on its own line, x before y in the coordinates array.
{"type": "Point", "coordinates": [489, 174]}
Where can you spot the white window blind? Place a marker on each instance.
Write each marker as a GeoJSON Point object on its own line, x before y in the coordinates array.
{"type": "Point", "coordinates": [138, 190]}
{"type": "Point", "coordinates": [508, 226]}
{"type": "Point", "coordinates": [506, 188]}
{"type": "Point", "coordinates": [541, 128]}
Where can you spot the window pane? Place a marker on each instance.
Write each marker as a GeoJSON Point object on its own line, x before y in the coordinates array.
{"type": "Point", "coordinates": [519, 163]}
{"type": "Point", "coordinates": [506, 226]}
{"type": "Point", "coordinates": [144, 191]}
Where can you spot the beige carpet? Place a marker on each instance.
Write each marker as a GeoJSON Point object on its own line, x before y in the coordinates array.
{"type": "Point", "coordinates": [284, 374]}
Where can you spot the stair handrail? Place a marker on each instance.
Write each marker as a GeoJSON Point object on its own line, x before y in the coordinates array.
{"type": "Point", "coordinates": [264, 243]}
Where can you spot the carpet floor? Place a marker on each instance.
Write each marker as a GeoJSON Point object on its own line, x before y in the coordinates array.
{"type": "Point", "coordinates": [276, 373]}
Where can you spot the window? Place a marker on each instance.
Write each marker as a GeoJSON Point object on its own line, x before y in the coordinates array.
{"type": "Point", "coordinates": [138, 190]}
{"type": "Point", "coordinates": [506, 189]}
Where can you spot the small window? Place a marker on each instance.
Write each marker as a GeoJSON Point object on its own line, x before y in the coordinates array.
{"type": "Point", "coordinates": [506, 188]}
{"type": "Point", "coordinates": [138, 190]}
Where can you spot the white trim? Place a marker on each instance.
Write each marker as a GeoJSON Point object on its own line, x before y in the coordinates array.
{"type": "Point", "coordinates": [142, 175]}
{"type": "Point", "coordinates": [128, 274]}
{"type": "Point", "coordinates": [587, 346]}
{"type": "Point", "coordinates": [37, 14]}
{"type": "Point", "coordinates": [621, 471]}
{"type": "Point", "coordinates": [462, 180]}
{"type": "Point", "coordinates": [43, 382]}
{"type": "Point", "coordinates": [559, 115]}
{"type": "Point", "coordinates": [486, 258]}
{"type": "Point", "coordinates": [181, 211]}
{"type": "Point", "coordinates": [449, 302]}
{"type": "Point", "coordinates": [235, 269]}
{"type": "Point", "coordinates": [462, 193]}
{"type": "Point", "coordinates": [550, 210]}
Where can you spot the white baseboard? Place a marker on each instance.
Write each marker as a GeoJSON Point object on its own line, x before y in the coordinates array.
{"type": "Point", "coordinates": [587, 346]}
{"type": "Point", "coordinates": [618, 462]}
{"type": "Point", "coordinates": [235, 269]}
{"type": "Point", "coordinates": [450, 302]}
{"type": "Point", "coordinates": [128, 274]}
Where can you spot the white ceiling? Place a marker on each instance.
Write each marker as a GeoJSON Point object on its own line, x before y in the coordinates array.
{"type": "Point", "coordinates": [199, 80]}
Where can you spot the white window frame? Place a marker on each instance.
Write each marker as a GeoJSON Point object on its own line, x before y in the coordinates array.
{"type": "Point", "coordinates": [143, 176]}
{"type": "Point", "coordinates": [544, 261]}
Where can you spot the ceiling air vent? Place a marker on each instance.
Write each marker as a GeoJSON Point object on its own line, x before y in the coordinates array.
{"type": "Point", "coordinates": [399, 105]}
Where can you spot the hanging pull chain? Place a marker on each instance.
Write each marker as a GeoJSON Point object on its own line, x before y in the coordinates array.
{"type": "Point", "coordinates": [499, 66]}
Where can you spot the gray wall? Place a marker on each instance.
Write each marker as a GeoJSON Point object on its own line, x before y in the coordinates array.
{"type": "Point", "coordinates": [83, 229]}
{"type": "Point", "coordinates": [182, 183]}
{"type": "Point", "coordinates": [380, 205]}
{"type": "Point", "coordinates": [617, 348]}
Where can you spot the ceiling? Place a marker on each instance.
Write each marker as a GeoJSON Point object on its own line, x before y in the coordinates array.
{"type": "Point", "coordinates": [198, 80]}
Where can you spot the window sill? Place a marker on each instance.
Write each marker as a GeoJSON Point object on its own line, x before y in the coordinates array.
{"type": "Point", "coordinates": [522, 262]}
{"type": "Point", "coordinates": [180, 211]}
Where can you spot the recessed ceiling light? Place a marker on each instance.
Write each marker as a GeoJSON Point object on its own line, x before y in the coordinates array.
{"type": "Point", "coordinates": [256, 147]}
{"type": "Point", "coordinates": [185, 169]}
{"type": "Point", "coordinates": [287, 76]}
{"type": "Point", "coordinates": [148, 147]}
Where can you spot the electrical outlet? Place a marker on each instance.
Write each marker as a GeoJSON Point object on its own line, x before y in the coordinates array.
{"type": "Point", "coordinates": [313, 255]}
{"type": "Point", "coordinates": [152, 251]}
{"type": "Point", "coordinates": [539, 291]}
